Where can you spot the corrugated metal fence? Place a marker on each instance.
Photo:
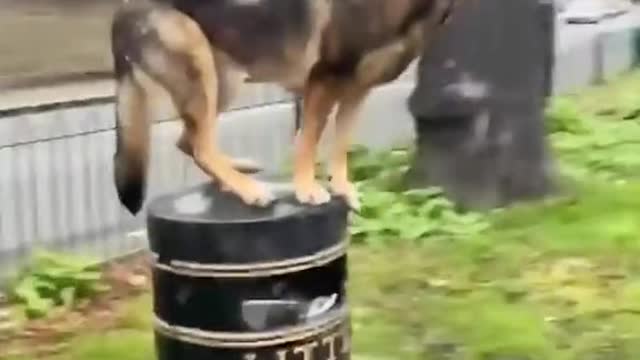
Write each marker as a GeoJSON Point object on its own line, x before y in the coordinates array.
{"type": "Point", "coordinates": [56, 186]}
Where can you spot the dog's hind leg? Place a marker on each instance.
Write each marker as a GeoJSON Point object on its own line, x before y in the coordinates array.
{"type": "Point", "coordinates": [183, 63]}
{"type": "Point", "coordinates": [349, 107]}
{"type": "Point", "coordinates": [317, 104]}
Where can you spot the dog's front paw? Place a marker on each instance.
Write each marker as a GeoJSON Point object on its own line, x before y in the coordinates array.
{"type": "Point", "coordinates": [312, 194]}
{"type": "Point", "coordinates": [252, 193]}
{"type": "Point", "coordinates": [348, 191]}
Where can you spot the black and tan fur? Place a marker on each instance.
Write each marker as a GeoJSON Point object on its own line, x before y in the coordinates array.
{"type": "Point", "coordinates": [330, 52]}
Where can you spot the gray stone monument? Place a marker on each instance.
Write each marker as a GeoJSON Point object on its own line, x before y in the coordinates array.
{"type": "Point", "coordinates": [479, 101]}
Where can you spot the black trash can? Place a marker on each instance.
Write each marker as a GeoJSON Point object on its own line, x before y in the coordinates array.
{"type": "Point", "coordinates": [241, 283]}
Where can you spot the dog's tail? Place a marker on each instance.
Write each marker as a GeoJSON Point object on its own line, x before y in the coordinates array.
{"type": "Point", "coordinates": [132, 143]}
{"type": "Point", "coordinates": [132, 117]}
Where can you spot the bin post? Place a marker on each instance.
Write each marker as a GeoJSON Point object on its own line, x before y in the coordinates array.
{"type": "Point", "coordinates": [479, 104]}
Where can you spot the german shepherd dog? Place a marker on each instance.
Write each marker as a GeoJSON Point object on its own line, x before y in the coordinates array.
{"type": "Point", "coordinates": [331, 53]}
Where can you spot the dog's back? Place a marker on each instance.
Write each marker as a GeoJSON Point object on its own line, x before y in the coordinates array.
{"type": "Point", "coordinates": [282, 40]}
{"type": "Point", "coordinates": [272, 40]}
{"type": "Point", "coordinates": [395, 29]}
{"type": "Point", "coordinates": [251, 30]}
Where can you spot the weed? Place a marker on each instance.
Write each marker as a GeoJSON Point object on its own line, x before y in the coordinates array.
{"type": "Point", "coordinates": [53, 280]}
{"type": "Point", "coordinates": [389, 212]}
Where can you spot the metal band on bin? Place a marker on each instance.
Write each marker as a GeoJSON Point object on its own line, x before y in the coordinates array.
{"type": "Point", "coordinates": [250, 270]}
{"type": "Point", "coordinates": [245, 340]}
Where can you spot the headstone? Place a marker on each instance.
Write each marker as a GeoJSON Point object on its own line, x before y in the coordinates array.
{"type": "Point", "coordinates": [479, 103]}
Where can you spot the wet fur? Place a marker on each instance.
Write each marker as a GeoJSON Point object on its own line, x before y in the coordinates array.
{"type": "Point", "coordinates": [201, 50]}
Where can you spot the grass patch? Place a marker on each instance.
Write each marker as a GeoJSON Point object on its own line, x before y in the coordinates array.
{"type": "Point", "coordinates": [135, 315]}
{"type": "Point", "coordinates": [118, 344]}
{"type": "Point", "coordinates": [596, 133]}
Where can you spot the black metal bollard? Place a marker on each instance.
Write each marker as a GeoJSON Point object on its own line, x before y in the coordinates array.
{"type": "Point", "coordinates": [232, 282]}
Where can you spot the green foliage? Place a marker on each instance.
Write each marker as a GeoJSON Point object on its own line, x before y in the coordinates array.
{"type": "Point", "coordinates": [389, 213]}
{"type": "Point", "coordinates": [379, 169]}
{"type": "Point", "coordinates": [564, 116]}
{"type": "Point", "coordinates": [590, 142]}
{"type": "Point", "coordinates": [53, 280]}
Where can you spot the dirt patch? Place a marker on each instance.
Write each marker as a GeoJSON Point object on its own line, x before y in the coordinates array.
{"type": "Point", "coordinates": [127, 279]}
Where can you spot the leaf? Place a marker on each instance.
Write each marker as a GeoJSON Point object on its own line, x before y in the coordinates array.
{"type": "Point", "coordinates": [68, 296]}
{"type": "Point", "coordinates": [27, 289]}
{"type": "Point", "coordinates": [423, 194]}
{"type": "Point", "coordinates": [374, 203]}
{"type": "Point", "coordinates": [435, 207]}
{"type": "Point", "coordinates": [63, 262]}
{"type": "Point", "coordinates": [87, 276]}
{"type": "Point", "coordinates": [368, 226]}
{"type": "Point", "coordinates": [55, 279]}
{"type": "Point", "coordinates": [38, 307]}
{"type": "Point", "coordinates": [43, 285]}
{"type": "Point", "coordinates": [397, 209]}
{"type": "Point", "coordinates": [419, 231]}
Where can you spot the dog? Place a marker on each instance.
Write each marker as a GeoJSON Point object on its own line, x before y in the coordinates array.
{"type": "Point", "coordinates": [330, 53]}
